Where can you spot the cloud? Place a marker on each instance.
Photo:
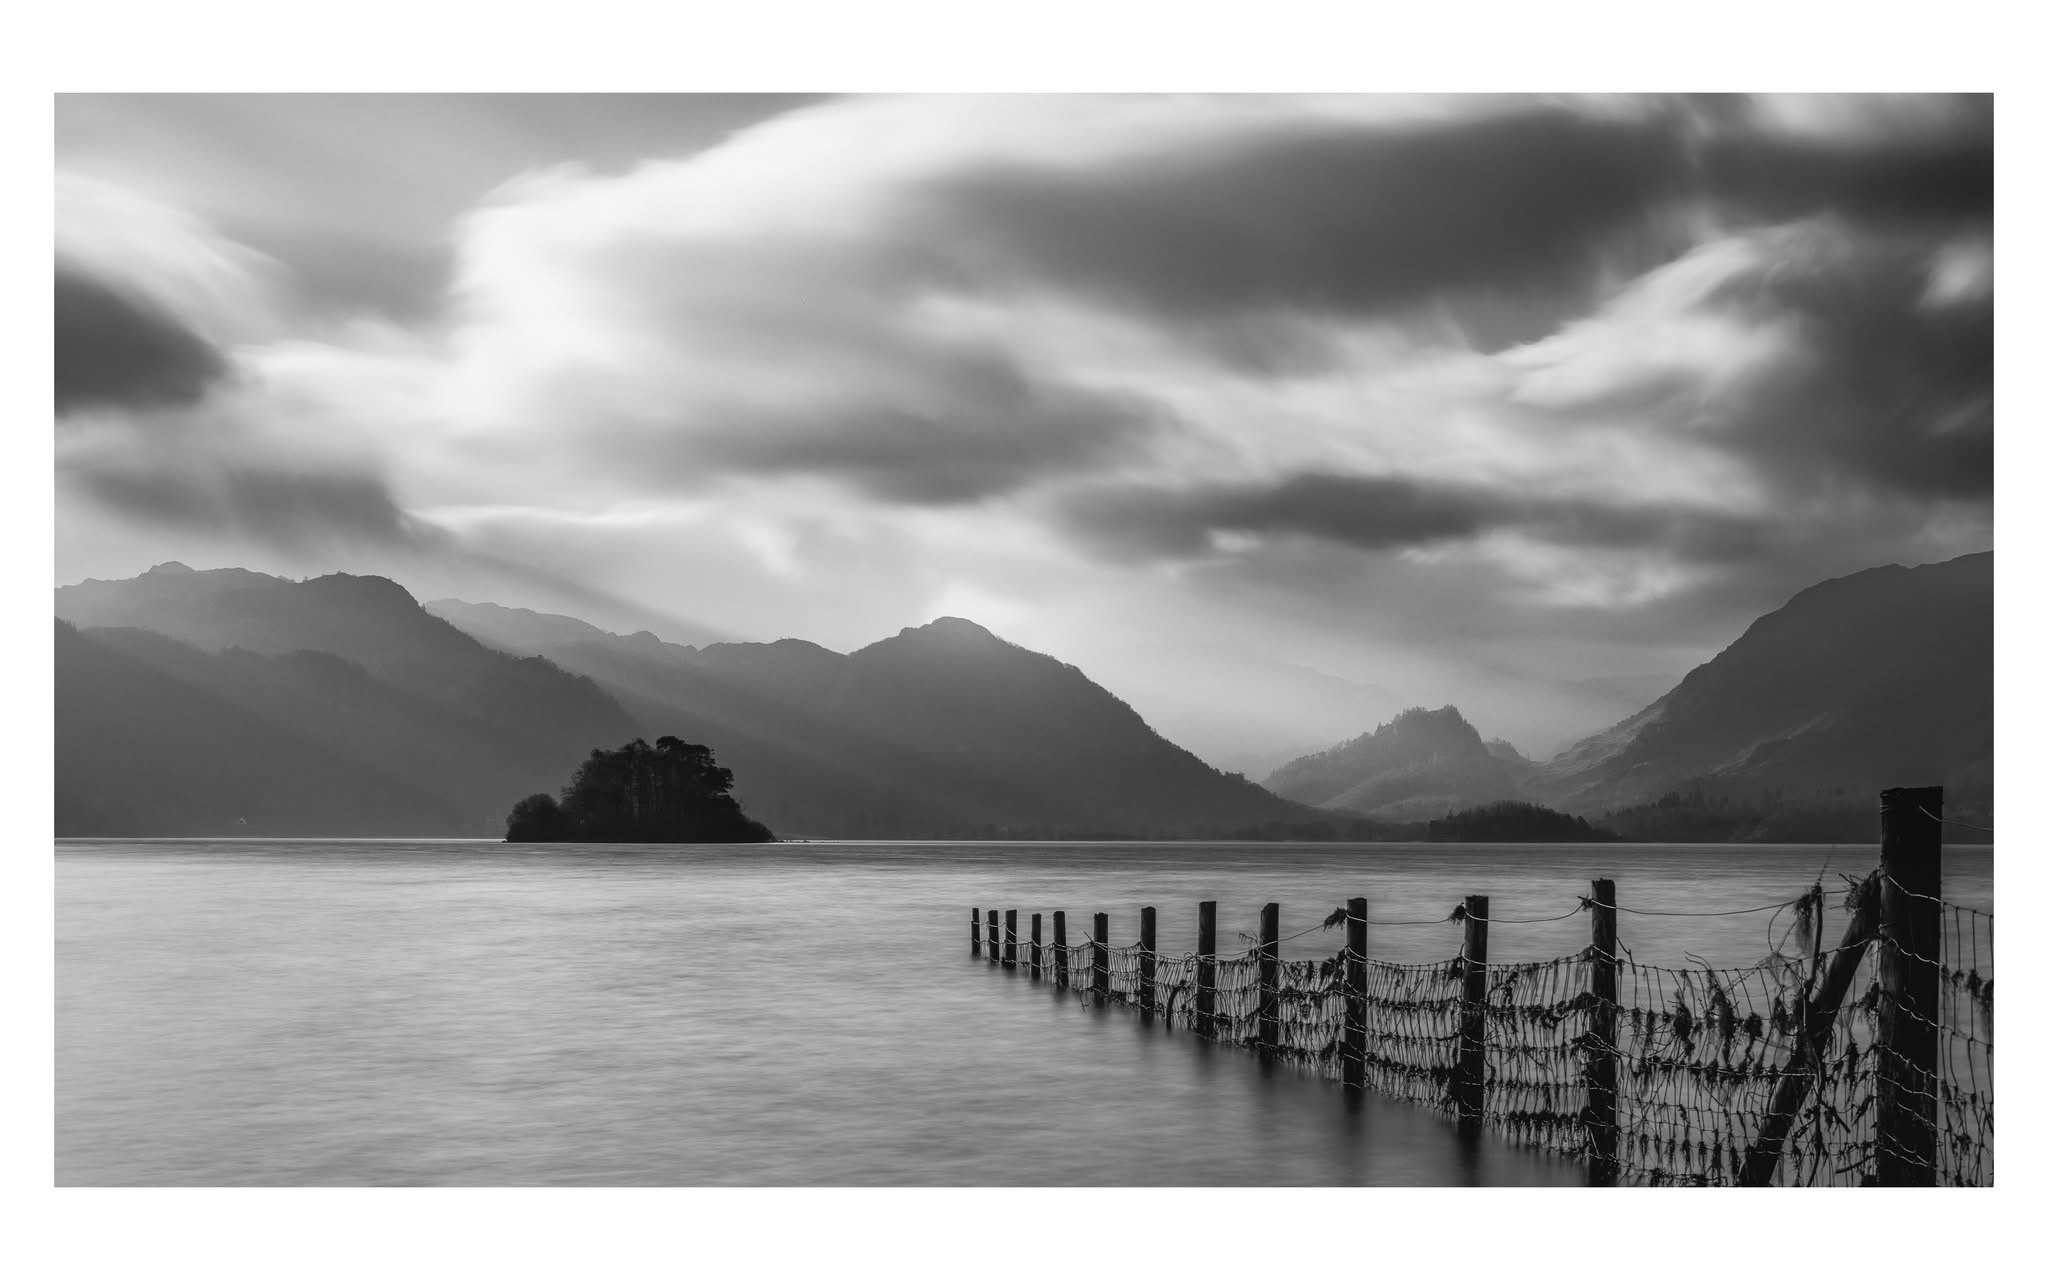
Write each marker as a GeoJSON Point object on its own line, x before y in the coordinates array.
{"type": "Point", "coordinates": [275, 504]}
{"type": "Point", "coordinates": [1823, 357]}
{"type": "Point", "coordinates": [115, 349]}
{"type": "Point", "coordinates": [1388, 513]}
{"type": "Point", "coordinates": [1316, 215]}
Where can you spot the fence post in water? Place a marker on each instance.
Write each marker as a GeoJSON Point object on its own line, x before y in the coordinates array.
{"type": "Point", "coordinates": [1148, 942]}
{"type": "Point", "coordinates": [1761, 1160]}
{"type": "Point", "coordinates": [974, 932]}
{"type": "Point", "coordinates": [1037, 952]}
{"type": "Point", "coordinates": [1354, 993]}
{"type": "Point", "coordinates": [1909, 970]}
{"type": "Point", "coordinates": [1059, 948]}
{"type": "Point", "coordinates": [1009, 939]}
{"type": "Point", "coordinates": [1602, 1064]}
{"type": "Point", "coordinates": [994, 955]}
{"type": "Point", "coordinates": [1269, 977]}
{"type": "Point", "coordinates": [1468, 1077]}
{"type": "Point", "coordinates": [1101, 956]}
{"type": "Point", "coordinates": [1205, 971]}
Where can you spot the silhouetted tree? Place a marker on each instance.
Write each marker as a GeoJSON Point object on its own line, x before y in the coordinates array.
{"type": "Point", "coordinates": [536, 820]}
{"type": "Point", "coordinates": [673, 792]}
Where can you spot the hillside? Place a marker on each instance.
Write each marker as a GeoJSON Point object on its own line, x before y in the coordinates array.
{"type": "Point", "coordinates": [943, 729]}
{"type": "Point", "coordinates": [143, 752]}
{"type": "Point", "coordinates": [1881, 678]}
{"type": "Point", "coordinates": [1421, 764]}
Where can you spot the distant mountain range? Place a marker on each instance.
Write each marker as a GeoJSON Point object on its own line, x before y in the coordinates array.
{"type": "Point", "coordinates": [1881, 678]}
{"type": "Point", "coordinates": [1422, 764]}
{"type": "Point", "coordinates": [407, 722]}
{"type": "Point", "coordinates": [231, 702]}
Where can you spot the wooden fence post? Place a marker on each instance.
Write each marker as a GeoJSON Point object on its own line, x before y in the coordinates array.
{"type": "Point", "coordinates": [994, 953]}
{"type": "Point", "coordinates": [1148, 962]}
{"type": "Point", "coordinates": [974, 932]}
{"type": "Point", "coordinates": [1269, 977]}
{"type": "Point", "coordinates": [1059, 948]}
{"type": "Point", "coordinates": [1101, 956]}
{"type": "Point", "coordinates": [1602, 1065]}
{"type": "Point", "coordinates": [1909, 970]}
{"type": "Point", "coordinates": [1037, 952]}
{"type": "Point", "coordinates": [1205, 971]}
{"type": "Point", "coordinates": [1354, 993]}
{"type": "Point", "coordinates": [1009, 939]}
{"type": "Point", "coordinates": [1761, 1160]}
{"type": "Point", "coordinates": [1468, 1078]}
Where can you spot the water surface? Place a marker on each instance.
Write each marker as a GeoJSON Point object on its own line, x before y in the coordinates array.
{"type": "Point", "coordinates": [390, 1012]}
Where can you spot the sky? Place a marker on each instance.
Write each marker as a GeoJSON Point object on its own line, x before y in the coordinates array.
{"type": "Point", "coordinates": [1275, 415]}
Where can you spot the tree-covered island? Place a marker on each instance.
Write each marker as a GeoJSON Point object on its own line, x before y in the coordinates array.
{"type": "Point", "coordinates": [673, 792]}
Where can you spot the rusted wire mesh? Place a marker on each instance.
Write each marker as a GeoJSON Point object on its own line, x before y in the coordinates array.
{"type": "Point", "coordinates": [1703, 1054]}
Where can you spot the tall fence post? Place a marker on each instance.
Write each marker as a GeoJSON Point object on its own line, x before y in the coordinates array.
{"type": "Point", "coordinates": [1205, 971]}
{"type": "Point", "coordinates": [1101, 956]}
{"type": "Point", "coordinates": [1761, 1160]}
{"type": "Point", "coordinates": [1059, 948]}
{"type": "Point", "coordinates": [1148, 963]}
{"type": "Point", "coordinates": [1354, 993]}
{"type": "Point", "coordinates": [1009, 939]}
{"type": "Point", "coordinates": [1602, 1062]}
{"type": "Point", "coordinates": [1909, 971]}
{"type": "Point", "coordinates": [995, 954]}
{"type": "Point", "coordinates": [1269, 977]}
{"type": "Point", "coordinates": [1468, 1078]}
{"type": "Point", "coordinates": [974, 932]}
{"type": "Point", "coordinates": [1037, 969]}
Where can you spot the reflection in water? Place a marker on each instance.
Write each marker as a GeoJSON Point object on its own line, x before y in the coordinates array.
{"type": "Point", "coordinates": [447, 1013]}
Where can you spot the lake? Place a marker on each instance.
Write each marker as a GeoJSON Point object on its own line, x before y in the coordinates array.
{"type": "Point", "coordinates": [394, 1012]}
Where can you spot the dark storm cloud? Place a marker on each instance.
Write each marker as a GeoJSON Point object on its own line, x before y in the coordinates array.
{"type": "Point", "coordinates": [277, 504]}
{"type": "Point", "coordinates": [117, 349]}
{"type": "Point", "coordinates": [1941, 174]}
{"type": "Point", "coordinates": [1513, 209]}
{"type": "Point", "coordinates": [1385, 513]}
{"type": "Point", "coordinates": [989, 429]}
{"type": "Point", "coordinates": [1320, 217]}
{"type": "Point", "coordinates": [1896, 390]}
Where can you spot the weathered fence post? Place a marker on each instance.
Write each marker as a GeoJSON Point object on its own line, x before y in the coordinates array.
{"type": "Point", "coordinates": [995, 955]}
{"type": "Point", "coordinates": [1101, 956]}
{"type": "Point", "coordinates": [974, 932]}
{"type": "Point", "coordinates": [1148, 962]}
{"type": "Point", "coordinates": [1761, 1160]}
{"type": "Point", "coordinates": [1269, 977]}
{"type": "Point", "coordinates": [1354, 993]}
{"type": "Point", "coordinates": [1205, 970]}
{"type": "Point", "coordinates": [1009, 939]}
{"type": "Point", "coordinates": [1909, 970]}
{"type": "Point", "coordinates": [1059, 948]}
{"type": "Point", "coordinates": [1037, 969]}
{"type": "Point", "coordinates": [1468, 1078]}
{"type": "Point", "coordinates": [1602, 1062]}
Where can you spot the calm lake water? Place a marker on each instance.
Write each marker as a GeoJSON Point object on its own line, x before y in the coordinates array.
{"type": "Point", "coordinates": [390, 1012]}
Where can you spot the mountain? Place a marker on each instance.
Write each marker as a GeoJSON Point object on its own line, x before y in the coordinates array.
{"type": "Point", "coordinates": [350, 669]}
{"type": "Point", "coordinates": [940, 730]}
{"type": "Point", "coordinates": [1881, 678]}
{"type": "Point", "coordinates": [371, 622]}
{"type": "Point", "coordinates": [142, 750]}
{"type": "Point", "coordinates": [1420, 764]}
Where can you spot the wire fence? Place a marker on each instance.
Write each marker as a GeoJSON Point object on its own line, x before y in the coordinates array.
{"type": "Point", "coordinates": [1720, 1075]}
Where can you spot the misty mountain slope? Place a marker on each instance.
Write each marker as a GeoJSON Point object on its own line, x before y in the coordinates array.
{"type": "Point", "coordinates": [372, 622]}
{"type": "Point", "coordinates": [141, 752]}
{"type": "Point", "coordinates": [1880, 678]}
{"type": "Point", "coordinates": [942, 729]}
{"type": "Point", "coordinates": [1420, 764]}
{"type": "Point", "coordinates": [469, 764]}
{"type": "Point", "coordinates": [1038, 729]}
